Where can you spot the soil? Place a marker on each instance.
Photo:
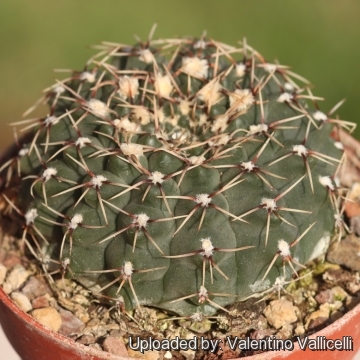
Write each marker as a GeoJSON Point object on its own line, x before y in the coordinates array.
{"type": "Point", "coordinates": [324, 291]}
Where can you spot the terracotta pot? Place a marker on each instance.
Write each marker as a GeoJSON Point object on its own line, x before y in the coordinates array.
{"type": "Point", "coordinates": [33, 341]}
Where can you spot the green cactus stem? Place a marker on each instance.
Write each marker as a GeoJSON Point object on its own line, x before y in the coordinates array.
{"type": "Point", "coordinates": [184, 174]}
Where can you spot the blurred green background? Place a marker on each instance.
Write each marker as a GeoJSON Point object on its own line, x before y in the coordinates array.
{"type": "Point", "coordinates": [320, 39]}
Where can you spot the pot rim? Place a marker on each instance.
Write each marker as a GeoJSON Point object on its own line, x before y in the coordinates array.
{"type": "Point", "coordinates": [29, 321]}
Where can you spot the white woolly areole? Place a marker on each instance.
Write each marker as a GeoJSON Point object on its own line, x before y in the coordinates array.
{"type": "Point", "coordinates": [127, 269]}
{"type": "Point", "coordinates": [184, 107]}
{"type": "Point", "coordinates": [327, 182]}
{"type": "Point", "coordinates": [65, 263]}
{"type": "Point", "coordinates": [284, 248]}
{"type": "Point", "coordinates": [207, 246]}
{"type": "Point", "coordinates": [179, 135]}
{"type": "Point", "coordinates": [23, 152]}
{"type": "Point", "coordinates": [58, 89]}
{"type": "Point", "coordinates": [194, 66]}
{"type": "Point", "coordinates": [50, 120]}
{"type": "Point", "coordinates": [82, 141]}
{"type": "Point", "coordinates": [220, 123]}
{"type": "Point", "coordinates": [249, 166]}
{"type": "Point", "coordinates": [156, 177]}
{"type": "Point", "coordinates": [255, 129]}
{"type": "Point", "coordinates": [240, 70]}
{"type": "Point", "coordinates": [289, 87]}
{"type": "Point", "coordinates": [197, 160]}
{"type": "Point", "coordinates": [97, 181]}
{"type": "Point", "coordinates": [338, 220]}
{"type": "Point", "coordinates": [30, 216]}
{"type": "Point", "coordinates": [320, 116]}
{"type": "Point", "coordinates": [97, 107]}
{"type": "Point", "coordinates": [203, 199]}
{"type": "Point", "coordinates": [197, 317]}
{"type": "Point", "coordinates": [132, 149]}
{"type": "Point", "coordinates": [210, 93]}
{"type": "Point", "coordinates": [279, 283]}
{"type": "Point", "coordinates": [339, 145]}
{"type": "Point", "coordinates": [126, 124]}
{"type": "Point", "coordinates": [146, 56]}
{"type": "Point", "coordinates": [87, 76]}
{"type": "Point", "coordinates": [241, 100]}
{"type": "Point", "coordinates": [48, 173]}
{"type": "Point", "coordinates": [128, 87]}
{"type": "Point", "coordinates": [259, 285]}
{"type": "Point", "coordinates": [141, 220]}
{"type": "Point", "coordinates": [142, 114]}
{"type": "Point", "coordinates": [285, 97]}
{"type": "Point", "coordinates": [300, 150]}
{"type": "Point", "coordinates": [75, 221]}
{"type": "Point", "coordinates": [270, 204]}
{"type": "Point", "coordinates": [163, 85]}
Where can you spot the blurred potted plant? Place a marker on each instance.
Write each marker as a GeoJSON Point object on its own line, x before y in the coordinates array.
{"type": "Point", "coordinates": [176, 175]}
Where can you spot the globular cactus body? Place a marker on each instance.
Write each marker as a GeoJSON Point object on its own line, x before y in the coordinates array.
{"type": "Point", "coordinates": [182, 174]}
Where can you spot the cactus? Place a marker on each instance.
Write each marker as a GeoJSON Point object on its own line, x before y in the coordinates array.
{"type": "Point", "coordinates": [184, 174]}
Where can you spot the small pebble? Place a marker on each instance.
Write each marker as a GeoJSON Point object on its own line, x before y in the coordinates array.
{"type": "Point", "coordinates": [339, 293]}
{"type": "Point", "coordinates": [325, 296]}
{"type": "Point", "coordinates": [317, 323]}
{"type": "Point", "coordinates": [12, 259]}
{"type": "Point", "coordinates": [48, 317]}
{"type": "Point", "coordinates": [168, 355]}
{"type": "Point", "coordinates": [40, 302]}
{"type": "Point", "coordinates": [16, 278]}
{"type": "Point", "coordinates": [21, 301]}
{"type": "Point", "coordinates": [281, 312]}
{"type": "Point", "coordinates": [299, 330]}
{"type": "Point", "coordinates": [35, 288]}
{"type": "Point", "coordinates": [80, 299]}
{"type": "Point", "coordinates": [318, 317]}
{"type": "Point", "coordinates": [87, 340]}
{"type": "Point", "coordinates": [70, 323]}
{"type": "Point", "coordinates": [285, 332]}
{"type": "Point", "coordinates": [115, 345]}
{"type": "Point", "coordinates": [346, 252]}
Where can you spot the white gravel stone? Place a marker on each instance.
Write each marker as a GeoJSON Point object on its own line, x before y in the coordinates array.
{"type": "Point", "coordinates": [48, 317]}
{"type": "Point", "coordinates": [281, 312]}
{"type": "Point", "coordinates": [16, 278]}
{"type": "Point", "coordinates": [21, 301]}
